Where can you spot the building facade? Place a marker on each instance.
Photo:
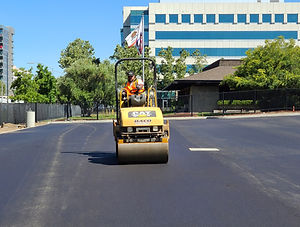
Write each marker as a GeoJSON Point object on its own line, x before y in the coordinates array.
{"type": "Point", "coordinates": [217, 30]}
{"type": "Point", "coordinates": [6, 57]}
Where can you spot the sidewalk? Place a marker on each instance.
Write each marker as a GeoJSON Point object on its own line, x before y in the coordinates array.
{"type": "Point", "coordinates": [9, 127]}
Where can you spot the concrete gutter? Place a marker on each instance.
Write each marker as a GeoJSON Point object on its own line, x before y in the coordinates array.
{"type": "Point", "coordinates": [241, 116]}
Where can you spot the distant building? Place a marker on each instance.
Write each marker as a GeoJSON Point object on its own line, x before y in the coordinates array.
{"type": "Point", "coordinates": [6, 56]}
{"type": "Point", "coordinates": [204, 87]}
{"type": "Point", "coordinates": [218, 30]}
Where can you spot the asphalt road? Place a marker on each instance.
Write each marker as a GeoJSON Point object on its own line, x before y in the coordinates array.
{"type": "Point", "coordinates": [67, 175]}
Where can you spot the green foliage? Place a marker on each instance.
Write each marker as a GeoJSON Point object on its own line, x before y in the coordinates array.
{"type": "Point", "coordinates": [135, 66]}
{"type": "Point", "coordinates": [46, 84]}
{"type": "Point", "coordinates": [241, 102]}
{"type": "Point", "coordinates": [25, 88]}
{"type": "Point", "coordinates": [166, 68]}
{"type": "Point", "coordinates": [87, 81]}
{"type": "Point", "coordinates": [78, 49]}
{"type": "Point", "coordinates": [2, 88]}
{"type": "Point", "coordinates": [180, 66]}
{"type": "Point", "coordinates": [171, 68]}
{"type": "Point", "coordinates": [40, 88]}
{"type": "Point", "coordinates": [67, 90]}
{"type": "Point", "coordinates": [86, 84]}
{"type": "Point", "coordinates": [221, 103]}
{"type": "Point", "coordinates": [235, 102]}
{"type": "Point", "coordinates": [272, 66]}
{"type": "Point", "coordinates": [200, 60]}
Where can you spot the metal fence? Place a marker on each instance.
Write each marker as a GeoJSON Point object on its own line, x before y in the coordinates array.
{"type": "Point", "coordinates": [176, 104]}
{"type": "Point", "coordinates": [234, 102]}
{"type": "Point", "coordinates": [16, 112]}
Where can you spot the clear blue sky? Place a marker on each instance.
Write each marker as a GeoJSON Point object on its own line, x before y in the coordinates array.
{"type": "Point", "coordinates": [45, 27]}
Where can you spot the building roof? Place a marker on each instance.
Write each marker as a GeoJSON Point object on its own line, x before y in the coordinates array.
{"type": "Point", "coordinates": [212, 74]}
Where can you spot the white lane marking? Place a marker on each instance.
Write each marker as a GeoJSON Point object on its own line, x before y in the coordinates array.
{"type": "Point", "coordinates": [204, 149]}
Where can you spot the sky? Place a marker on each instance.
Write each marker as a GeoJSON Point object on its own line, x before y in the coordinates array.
{"type": "Point", "coordinates": [43, 28]}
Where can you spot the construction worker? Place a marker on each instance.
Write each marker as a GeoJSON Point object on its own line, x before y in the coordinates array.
{"type": "Point", "coordinates": [133, 86]}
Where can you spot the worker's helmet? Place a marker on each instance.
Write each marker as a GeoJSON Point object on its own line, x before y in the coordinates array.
{"type": "Point", "coordinates": [130, 74]}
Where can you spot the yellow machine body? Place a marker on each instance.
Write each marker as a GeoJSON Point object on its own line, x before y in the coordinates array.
{"type": "Point", "coordinates": [140, 116]}
{"type": "Point", "coordinates": [141, 133]}
{"type": "Point", "coordinates": [142, 136]}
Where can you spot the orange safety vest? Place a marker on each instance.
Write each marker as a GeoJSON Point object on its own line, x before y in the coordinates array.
{"type": "Point", "coordinates": [131, 87]}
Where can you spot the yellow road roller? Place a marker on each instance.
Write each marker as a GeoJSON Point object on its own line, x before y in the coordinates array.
{"type": "Point", "coordinates": [141, 134]}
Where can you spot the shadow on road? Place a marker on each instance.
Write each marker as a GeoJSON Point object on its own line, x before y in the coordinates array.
{"type": "Point", "coordinates": [98, 157]}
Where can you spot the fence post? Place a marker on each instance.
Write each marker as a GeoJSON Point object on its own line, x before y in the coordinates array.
{"type": "Point", "coordinates": [255, 98]}
{"type": "Point", "coordinates": [68, 112]}
{"type": "Point", "coordinates": [71, 115]}
{"type": "Point", "coordinates": [223, 107]}
{"type": "Point", "coordinates": [1, 115]}
{"type": "Point", "coordinates": [191, 101]}
{"type": "Point", "coordinates": [36, 112]}
{"type": "Point", "coordinates": [285, 98]}
{"type": "Point", "coordinates": [97, 106]}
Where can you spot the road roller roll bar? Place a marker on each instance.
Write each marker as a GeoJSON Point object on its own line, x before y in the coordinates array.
{"type": "Point", "coordinates": [116, 77]}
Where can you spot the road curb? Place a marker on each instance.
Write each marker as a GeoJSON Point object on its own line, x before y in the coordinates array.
{"type": "Point", "coordinates": [262, 115]}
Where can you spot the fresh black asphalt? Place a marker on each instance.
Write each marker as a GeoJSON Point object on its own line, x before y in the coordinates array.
{"type": "Point", "coordinates": [67, 175]}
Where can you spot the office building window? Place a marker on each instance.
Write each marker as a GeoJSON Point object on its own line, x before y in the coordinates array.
{"type": "Point", "coordinates": [198, 18]}
{"type": "Point", "coordinates": [186, 18]}
{"type": "Point", "coordinates": [221, 35]}
{"type": "Point", "coordinates": [160, 18]}
{"type": "Point", "coordinates": [292, 18]}
{"type": "Point", "coordinates": [253, 18]}
{"type": "Point", "coordinates": [278, 18]}
{"type": "Point", "coordinates": [209, 51]}
{"type": "Point", "coordinates": [136, 16]}
{"type": "Point", "coordinates": [241, 18]}
{"type": "Point", "coordinates": [266, 18]}
{"type": "Point", "coordinates": [210, 18]}
{"type": "Point", "coordinates": [226, 18]}
{"type": "Point", "coordinates": [146, 19]}
{"type": "Point", "coordinates": [173, 18]}
{"type": "Point", "coordinates": [134, 20]}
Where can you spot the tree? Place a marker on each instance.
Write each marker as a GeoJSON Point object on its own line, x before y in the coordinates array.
{"type": "Point", "coordinates": [25, 87]}
{"type": "Point", "coordinates": [166, 68]}
{"type": "Point", "coordinates": [82, 72]}
{"type": "Point", "coordinates": [87, 84]}
{"type": "Point", "coordinates": [106, 84]}
{"type": "Point", "coordinates": [46, 84]}
{"type": "Point", "coordinates": [274, 65]}
{"type": "Point", "coordinates": [78, 49]}
{"type": "Point", "coordinates": [2, 88]}
{"type": "Point", "coordinates": [200, 60]}
{"type": "Point", "coordinates": [135, 66]}
{"type": "Point", "coordinates": [175, 68]}
{"type": "Point", "coordinates": [180, 65]}
{"type": "Point", "coordinates": [67, 90]}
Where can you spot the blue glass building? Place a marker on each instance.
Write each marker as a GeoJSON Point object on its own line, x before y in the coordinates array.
{"type": "Point", "coordinates": [217, 30]}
